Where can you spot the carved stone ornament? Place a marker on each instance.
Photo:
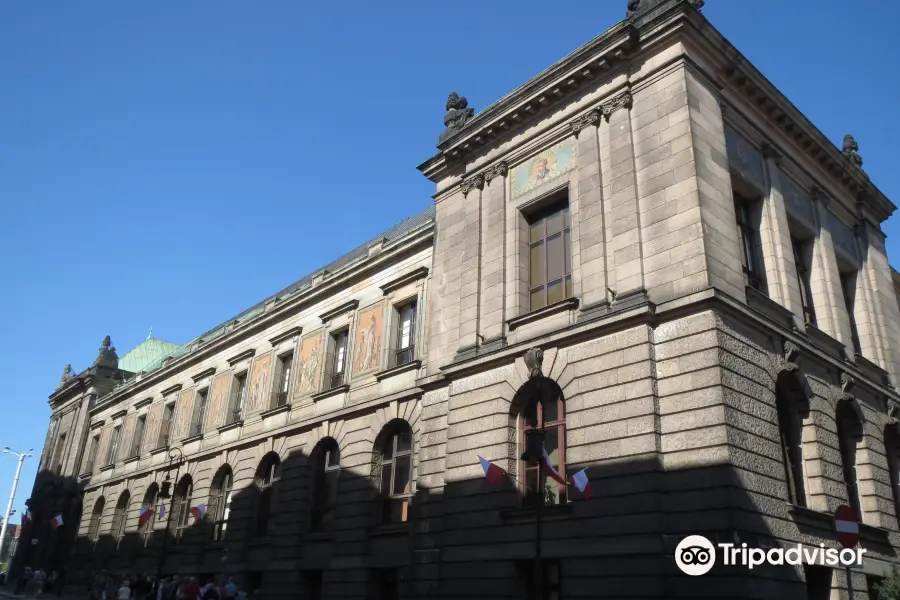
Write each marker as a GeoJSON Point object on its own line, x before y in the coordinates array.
{"type": "Point", "coordinates": [788, 362]}
{"type": "Point", "coordinates": [534, 358]}
{"type": "Point", "coordinates": [893, 411]}
{"type": "Point", "coordinates": [585, 121]}
{"type": "Point", "coordinates": [107, 356]}
{"type": "Point", "coordinates": [847, 382]}
{"type": "Point", "coordinates": [66, 376]}
{"type": "Point", "coordinates": [851, 151]}
{"type": "Point", "coordinates": [476, 181]}
{"type": "Point", "coordinates": [458, 114]}
{"type": "Point", "coordinates": [623, 100]}
{"type": "Point", "coordinates": [498, 170]}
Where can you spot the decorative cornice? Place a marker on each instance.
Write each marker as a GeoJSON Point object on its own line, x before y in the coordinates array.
{"type": "Point", "coordinates": [243, 355]}
{"type": "Point", "coordinates": [144, 402]}
{"type": "Point", "coordinates": [623, 100]}
{"type": "Point", "coordinates": [584, 121]}
{"type": "Point", "coordinates": [203, 374]}
{"type": "Point", "coordinates": [498, 170]}
{"type": "Point", "coordinates": [171, 390]}
{"type": "Point", "coordinates": [118, 413]}
{"type": "Point", "coordinates": [476, 181]}
{"type": "Point", "coordinates": [97, 424]}
{"type": "Point", "coordinates": [403, 280]}
{"type": "Point", "coordinates": [337, 311]}
{"type": "Point", "coordinates": [293, 331]}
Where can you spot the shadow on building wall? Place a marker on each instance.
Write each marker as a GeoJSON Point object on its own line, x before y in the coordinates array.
{"type": "Point", "coordinates": [470, 540]}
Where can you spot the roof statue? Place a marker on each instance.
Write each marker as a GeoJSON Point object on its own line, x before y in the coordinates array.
{"type": "Point", "coordinates": [66, 377]}
{"type": "Point", "coordinates": [458, 114]}
{"type": "Point", "coordinates": [107, 356]}
{"type": "Point", "coordinates": [641, 6]}
{"type": "Point", "coordinates": [851, 150]}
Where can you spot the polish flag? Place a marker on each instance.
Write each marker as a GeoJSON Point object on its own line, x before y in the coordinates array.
{"type": "Point", "coordinates": [582, 483]}
{"type": "Point", "coordinates": [198, 512]}
{"type": "Point", "coordinates": [146, 513]}
{"type": "Point", "coordinates": [553, 473]}
{"type": "Point", "coordinates": [492, 472]}
{"type": "Point", "coordinates": [56, 521]}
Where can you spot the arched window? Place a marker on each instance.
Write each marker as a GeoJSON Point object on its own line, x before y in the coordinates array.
{"type": "Point", "coordinates": [327, 465]}
{"type": "Point", "coordinates": [892, 449]}
{"type": "Point", "coordinates": [544, 409]}
{"type": "Point", "coordinates": [394, 460]}
{"type": "Point", "coordinates": [181, 505]}
{"type": "Point", "coordinates": [149, 504]}
{"type": "Point", "coordinates": [789, 399]}
{"type": "Point", "coordinates": [120, 516]}
{"type": "Point", "coordinates": [267, 477]}
{"type": "Point", "coordinates": [93, 532]}
{"type": "Point", "coordinates": [220, 501]}
{"type": "Point", "coordinates": [849, 432]}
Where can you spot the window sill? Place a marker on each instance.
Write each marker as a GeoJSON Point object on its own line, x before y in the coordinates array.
{"type": "Point", "coordinates": [542, 313]}
{"type": "Point", "coordinates": [230, 426]}
{"type": "Point", "coordinates": [826, 521]}
{"type": "Point", "coordinates": [526, 514]}
{"type": "Point", "coordinates": [825, 341]}
{"type": "Point", "coordinates": [193, 438]}
{"type": "Point", "coordinates": [872, 370]}
{"type": "Point", "coordinates": [159, 450]}
{"type": "Point", "coordinates": [768, 308]}
{"type": "Point", "coordinates": [85, 476]}
{"type": "Point", "coordinates": [389, 529]}
{"type": "Point", "coordinates": [131, 459]}
{"type": "Point", "coordinates": [410, 366]}
{"type": "Point", "coordinates": [275, 411]}
{"type": "Point", "coordinates": [332, 392]}
{"type": "Point", "coordinates": [105, 468]}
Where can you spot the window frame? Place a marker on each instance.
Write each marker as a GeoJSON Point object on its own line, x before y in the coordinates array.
{"type": "Point", "coordinates": [267, 480]}
{"type": "Point", "coordinates": [849, 283]}
{"type": "Point", "coordinates": [559, 424]}
{"type": "Point", "coordinates": [147, 531]}
{"type": "Point", "coordinates": [181, 506]}
{"type": "Point", "coordinates": [387, 496]}
{"type": "Point", "coordinates": [749, 242]}
{"type": "Point", "coordinates": [93, 532]}
{"type": "Point", "coordinates": [113, 445]}
{"type": "Point", "coordinates": [56, 463]}
{"type": "Point", "coordinates": [403, 355]}
{"type": "Point", "coordinates": [165, 424]}
{"type": "Point", "coordinates": [282, 381]}
{"type": "Point", "coordinates": [220, 500]}
{"type": "Point", "coordinates": [849, 430]}
{"type": "Point", "coordinates": [804, 279]}
{"type": "Point", "coordinates": [137, 438]}
{"type": "Point", "coordinates": [93, 451]}
{"type": "Point", "coordinates": [324, 504]}
{"type": "Point", "coordinates": [120, 516]}
{"type": "Point", "coordinates": [238, 398]}
{"type": "Point", "coordinates": [198, 412]}
{"type": "Point", "coordinates": [338, 378]}
{"type": "Point", "coordinates": [541, 217]}
{"type": "Point", "coordinates": [790, 434]}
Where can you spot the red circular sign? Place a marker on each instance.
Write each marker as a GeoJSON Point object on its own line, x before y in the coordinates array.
{"type": "Point", "coordinates": [846, 526]}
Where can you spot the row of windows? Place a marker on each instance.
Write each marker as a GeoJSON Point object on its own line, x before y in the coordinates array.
{"type": "Point", "coordinates": [394, 468]}
{"type": "Point", "coordinates": [402, 353]}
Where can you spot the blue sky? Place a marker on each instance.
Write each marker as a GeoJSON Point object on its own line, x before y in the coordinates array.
{"type": "Point", "coordinates": [169, 164]}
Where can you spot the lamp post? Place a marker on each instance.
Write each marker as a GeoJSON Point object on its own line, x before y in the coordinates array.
{"type": "Point", "coordinates": [12, 493]}
{"type": "Point", "coordinates": [165, 495]}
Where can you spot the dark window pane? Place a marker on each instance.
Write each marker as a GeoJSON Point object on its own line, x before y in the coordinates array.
{"type": "Point", "coordinates": [567, 216]}
{"type": "Point", "coordinates": [567, 251]}
{"type": "Point", "coordinates": [555, 260]}
{"type": "Point", "coordinates": [401, 474]}
{"type": "Point", "coordinates": [394, 511]}
{"type": "Point", "coordinates": [537, 265]}
{"type": "Point", "coordinates": [554, 223]}
{"type": "Point", "coordinates": [555, 292]}
{"type": "Point", "coordinates": [551, 444]}
{"type": "Point", "coordinates": [552, 573]}
{"type": "Point", "coordinates": [386, 479]}
{"type": "Point", "coordinates": [551, 411]}
{"type": "Point", "coordinates": [404, 440]}
{"type": "Point", "coordinates": [334, 457]}
{"type": "Point", "coordinates": [388, 448]}
{"type": "Point", "coordinates": [537, 299]}
{"type": "Point", "coordinates": [531, 484]}
{"type": "Point", "coordinates": [569, 293]}
{"type": "Point", "coordinates": [332, 486]}
{"type": "Point", "coordinates": [537, 230]}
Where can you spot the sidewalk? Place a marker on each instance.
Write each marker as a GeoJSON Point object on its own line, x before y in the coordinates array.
{"type": "Point", "coordinates": [6, 593]}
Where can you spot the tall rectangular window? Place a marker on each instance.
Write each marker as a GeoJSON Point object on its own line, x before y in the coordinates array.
{"type": "Point", "coordinates": [848, 286]}
{"type": "Point", "coordinates": [92, 454]}
{"type": "Point", "coordinates": [113, 445]}
{"type": "Point", "coordinates": [748, 238]}
{"type": "Point", "coordinates": [138, 438]}
{"type": "Point", "coordinates": [238, 395]}
{"type": "Point", "coordinates": [283, 379]}
{"type": "Point", "coordinates": [339, 357]}
{"type": "Point", "coordinates": [199, 414]}
{"type": "Point", "coordinates": [818, 582]}
{"type": "Point", "coordinates": [550, 262]}
{"type": "Point", "coordinates": [406, 333]}
{"type": "Point", "coordinates": [802, 256]}
{"type": "Point", "coordinates": [56, 463]}
{"type": "Point", "coordinates": [165, 426]}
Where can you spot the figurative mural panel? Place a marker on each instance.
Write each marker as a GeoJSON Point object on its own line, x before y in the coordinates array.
{"type": "Point", "coordinates": [219, 398]}
{"type": "Point", "coordinates": [153, 421]}
{"type": "Point", "coordinates": [368, 339]}
{"type": "Point", "coordinates": [544, 167]}
{"type": "Point", "coordinates": [259, 383]}
{"type": "Point", "coordinates": [310, 364]}
{"type": "Point", "coordinates": [185, 403]}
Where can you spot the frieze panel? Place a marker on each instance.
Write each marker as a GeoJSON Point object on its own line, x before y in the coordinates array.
{"type": "Point", "coordinates": [368, 340]}
{"type": "Point", "coordinates": [259, 383]}
{"type": "Point", "coordinates": [745, 159]}
{"type": "Point", "coordinates": [219, 399]}
{"type": "Point", "coordinates": [309, 365]}
{"type": "Point", "coordinates": [546, 166]}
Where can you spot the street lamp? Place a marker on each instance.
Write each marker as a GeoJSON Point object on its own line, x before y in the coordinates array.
{"type": "Point", "coordinates": [12, 493]}
{"type": "Point", "coordinates": [165, 494]}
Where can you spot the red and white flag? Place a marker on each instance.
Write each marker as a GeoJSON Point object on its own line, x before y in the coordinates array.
{"type": "Point", "coordinates": [582, 483]}
{"type": "Point", "coordinates": [553, 473]}
{"type": "Point", "coordinates": [146, 513]}
{"type": "Point", "coordinates": [56, 521]}
{"type": "Point", "coordinates": [492, 472]}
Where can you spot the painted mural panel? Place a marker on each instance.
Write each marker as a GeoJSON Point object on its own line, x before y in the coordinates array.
{"type": "Point", "coordinates": [100, 459]}
{"type": "Point", "coordinates": [310, 365]}
{"type": "Point", "coordinates": [185, 402]}
{"type": "Point", "coordinates": [153, 420]}
{"type": "Point", "coordinates": [218, 399]}
{"type": "Point", "coordinates": [126, 441]}
{"type": "Point", "coordinates": [544, 167]}
{"type": "Point", "coordinates": [368, 339]}
{"type": "Point", "coordinates": [260, 379]}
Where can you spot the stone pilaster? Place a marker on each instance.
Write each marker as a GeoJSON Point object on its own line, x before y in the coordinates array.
{"type": "Point", "coordinates": [828, 298]}
{"type": "Point", "coordinates": [588, 232]}
{"type": "Point", "coordinates": [493, 235]}
{"type": "Point", "coordinates": [470, 269]}
{"type": "Point", "coordinates": [884, 302]}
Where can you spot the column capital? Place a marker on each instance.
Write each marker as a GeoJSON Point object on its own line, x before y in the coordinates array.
{"type": "Point", "coordinates": [476, 181]}
{"type": "Point", "coordinates": [498, 170]}
{"type": "Point", "coordinates": [623, 100]}
{"type": "Point", "coordinates": [584, 121]}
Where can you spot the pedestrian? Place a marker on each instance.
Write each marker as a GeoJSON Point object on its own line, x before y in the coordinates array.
{"type": "Point", "coordinates": [230, 590]}
{"type": "Point", "coordinates": [98, 587]}
{"type": "Point", "coordinates": [39, 578]}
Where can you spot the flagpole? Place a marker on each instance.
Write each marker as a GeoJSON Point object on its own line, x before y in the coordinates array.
{"type": "Point", "coordinates": [538, 518]}
{"type": "Point", "coordinates": [165, 543]}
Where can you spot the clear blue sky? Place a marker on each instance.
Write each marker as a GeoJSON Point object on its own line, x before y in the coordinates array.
{"type": "Point", "coordinates": [169, 164]}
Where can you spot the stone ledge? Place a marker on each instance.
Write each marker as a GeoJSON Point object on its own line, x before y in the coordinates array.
{"type": "Point", "coordinates": [131, 459]}
{"type": "Point", "coordinates": [622, 302]}
{"type": "Point", "coordinates": [274, 411]}
{"type": "Point", "coordinates": [401, 281]}
{"type": "Point", "coordinates": [825, 341]}
{"type": "Point", "coordinates": [285, 335]}
{"type": "Point", "coordinates": [542, 313]}
{"type": "Point", "coordinates": [203, 374]}
{"type": "Point", "coordinates": [192, 438]}
{"type": "Point", "coordinates": [411, 365]}
{"type": "Point", "coordinates": [105, 468]}
{"type": "Point", "coordinates": [144, 402]}
{"type": "Point", "coordinates": [337, 311]}
{"type": "Point", "coordinates": [332, 392]}
{"type": "Point", "coordinates": [159, 450]}
{"type": "Point", "coordinates": [230, 426]}
{"type": "Point", "coordinates": [318, 536]}
{"type": "Point", "coordinates": [239, 357]}
{"type": "Point", "coordinates": [768, 308]}
{"type": "Point", "coordinates": [118, 413]}
{"type": "Point", "coordinates": [171, 389]}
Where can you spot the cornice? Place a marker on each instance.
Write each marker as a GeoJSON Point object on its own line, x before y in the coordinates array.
{"type": "Point", "coordinates": [249, 353]}
{"type": "Point", "coordinates": [292, 332]}
{"type": "Point", "coordinates": [143, 403]}
{"type": "Point", "coordinates": [339, 310]}
{"type": "Point", "coordinates": [171, 390]}
{"type": "Point", "coordinates": [399, 282]}
{"type": "Point", "coordinates": [204, 374]}
{"type": "Point", "coordinates": [414, 240]}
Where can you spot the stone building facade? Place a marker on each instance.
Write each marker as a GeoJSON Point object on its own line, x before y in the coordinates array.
{"type": "Point", "coordinates": [706, 276]}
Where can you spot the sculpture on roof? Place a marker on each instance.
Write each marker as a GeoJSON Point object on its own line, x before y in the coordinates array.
{"type": "Point", "coordinates": [66, 376]}
{"type": "Point", "coordinates": [107, 356]}
{"type": "Point", "coordinates": [458, 114]}
{"type": "Point", "coordinates": [851, 150]}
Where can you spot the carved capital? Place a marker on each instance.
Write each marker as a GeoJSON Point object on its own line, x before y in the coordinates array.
{"type": "Point", "coordinates": [623, 100]}
{"type": "Point", "coordinates": [534, 358]}
{"type": "Point", "coordinates": [892, 409]}
{"type": "Point", "coordinates": [476, 181]}
{"type": "Point", "coordinates": [498, 170]}
{"type": "Point", "coordinates": [847, 382]}
{"type": "Point", "coordinates": [584, 121]}
{"type": "Point", "coordinates": [791, 351]}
